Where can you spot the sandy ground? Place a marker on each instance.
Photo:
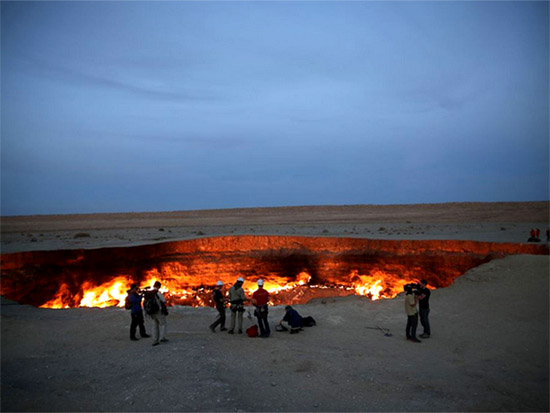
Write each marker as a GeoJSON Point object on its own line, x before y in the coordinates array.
{"type": "Point", "coordinates": [488, 350]}
{"type": "Point", "coordinates": [495, 222]}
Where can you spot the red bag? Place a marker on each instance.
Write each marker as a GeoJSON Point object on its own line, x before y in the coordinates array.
{"type": "Point", "coordinates": [252, 331]}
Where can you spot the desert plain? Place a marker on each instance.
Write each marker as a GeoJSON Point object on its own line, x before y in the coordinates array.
{"type": "Point", "coordinates": [488, 350]}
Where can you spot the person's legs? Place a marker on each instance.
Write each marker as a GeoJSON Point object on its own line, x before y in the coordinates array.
{"type": "Point", "coordinates": [216, 322]}
{"type": "Point", "coordinates": [266, 328]}
{"type": "Point", "coordinates": [425, 321]}
{"type": "Point", "coordinates": [240, 321]}
{"type": "Point", "coordinates": [222, 319]}
{"type": "Point", "coordinates": [141, 325]}
{"type": "Point", "coordinates": [286, 325]}
{"type": "Point", "coordinates": [232, 325]}
{"type": "Point", "coordinates": [414, 324]}
{"type": "Point", "coordinates": [133, 327]}
{"type": "Point", "coordinates": [261, 324]}
{"type": "Point", "coordinates": [408, 328]}
{"type": "Point", "coordinates": [162, 325]}
{"type": "Point", "coordinates": [155, 329]}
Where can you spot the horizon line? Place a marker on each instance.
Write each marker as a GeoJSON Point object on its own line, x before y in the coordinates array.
{"type": "Point", "coordinates": [272, 207]}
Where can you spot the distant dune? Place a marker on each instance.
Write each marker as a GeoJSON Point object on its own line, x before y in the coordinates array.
{"type": "Point", "coordinates": [538, 211]}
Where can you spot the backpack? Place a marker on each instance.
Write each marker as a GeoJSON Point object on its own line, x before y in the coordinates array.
{"type": "Point", "coordinates": [151, 305]}
{"type": "Point", "coordinates": [127, 303]}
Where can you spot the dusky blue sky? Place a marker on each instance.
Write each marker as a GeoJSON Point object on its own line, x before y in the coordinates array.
{"type": "Point", "coordinates": [159, 106]}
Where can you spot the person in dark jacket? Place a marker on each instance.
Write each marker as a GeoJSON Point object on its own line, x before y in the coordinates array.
{"type": "Point", "coordinates": [293, 319]}
{"type": "Point", "coordinates": [424, 308]}
{"type": "Point", "coordinates": [136, 313]}
{"type": "Point", "coordinates": [219, 302]}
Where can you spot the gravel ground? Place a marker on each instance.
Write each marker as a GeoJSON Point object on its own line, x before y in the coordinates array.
{"type": "Point", "coordinates": [488, 352]}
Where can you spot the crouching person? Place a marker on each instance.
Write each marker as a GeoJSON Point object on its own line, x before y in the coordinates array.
{"type": "Point", "coordinates": [294, 321]}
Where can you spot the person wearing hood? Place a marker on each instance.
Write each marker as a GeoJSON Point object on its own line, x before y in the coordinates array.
{"type": "Point", "coordinates": [260, 298]}
{"type": "Point", "coordinates": [237, 298]}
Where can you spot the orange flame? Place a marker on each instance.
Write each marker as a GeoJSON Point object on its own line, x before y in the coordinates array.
{"type": "Point", "coordinates": [378, 285]}
{"type": "Point", "coordinates": [181, 289]}
{"type": "Point", "coordinates": [189, 269]}
{"type": "Point", "coordinates": [109, 294]}
{"type": "Point", "coordinates": [62, 299]}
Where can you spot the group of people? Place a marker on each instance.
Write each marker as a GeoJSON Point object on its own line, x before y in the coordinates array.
{"type": "Point", "coordinates": [534, 235]}
{"type": "Point", "coordinates": [260, 299]}
{"type": "Point", "coordinates": [417, 302]}
{"type": "Point", "coordinates": [155, 306]}
{"type": "Point", "coordinates": [157, 311]}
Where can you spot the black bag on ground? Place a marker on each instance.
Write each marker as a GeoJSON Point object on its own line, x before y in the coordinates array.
{"type": "Point", "coordinates": [308, 321]}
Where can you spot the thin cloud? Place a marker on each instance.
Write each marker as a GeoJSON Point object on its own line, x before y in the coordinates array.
{"type": "Point", "coordinates": [181, 139]}
{"type": "Point", "coordinates": [65, 74]}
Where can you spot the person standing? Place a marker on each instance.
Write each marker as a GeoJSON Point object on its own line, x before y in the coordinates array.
{"type": "Point", "coordinates": [136, 313]}
{"type": "Point", "coordinates": [159, 317]}
{"type": "Point", "coordinates": [424, 308]}
{"type": "Point", "coordinates": [260, 298]}
{"type": "Point", "coordinates": [411, 300]}
{"type": "Point", "coordinates": [219, 302]}
{"type": "Point", "coordinates": [237, 299]}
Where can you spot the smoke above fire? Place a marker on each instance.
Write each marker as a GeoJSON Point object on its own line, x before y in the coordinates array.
{"type": "Point", "coordinates": [294, 269]}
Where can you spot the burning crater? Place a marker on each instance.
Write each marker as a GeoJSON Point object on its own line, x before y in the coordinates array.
{"type": "Point", "coordinates": [295, 269]}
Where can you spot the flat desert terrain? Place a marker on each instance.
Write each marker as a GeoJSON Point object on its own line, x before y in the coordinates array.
{"type": "Point", "coordinates": [488, 350]}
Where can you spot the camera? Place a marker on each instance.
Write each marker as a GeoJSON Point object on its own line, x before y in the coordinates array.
{"type": "Point", "coordinates": [412, 288]}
